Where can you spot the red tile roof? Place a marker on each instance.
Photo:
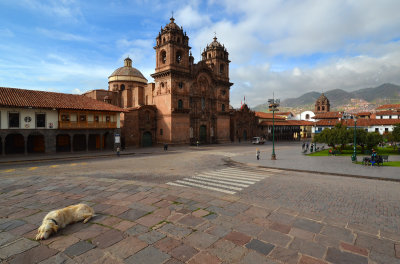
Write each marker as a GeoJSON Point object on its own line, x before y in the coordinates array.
{"type": "Point", "coordinates": [264, 115]}
{"type": "Point", "coordinates": [360, 122]}
{"type": "Point", "coordinates": [328, 115]}
{"type": "Point", "coordinates": [388, 106]}
{"type": "Point", "coordinates": [388, 112]}
{"type": "Point", "coordinates": [13, 97]}
{"type": "Point", "coordinates": [288, 123]}
{"type": "Point", "coordinates": [364, 113]}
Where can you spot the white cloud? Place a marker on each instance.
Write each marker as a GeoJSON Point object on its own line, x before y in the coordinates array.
{"type": "Point", "coordinates": [61, 35]}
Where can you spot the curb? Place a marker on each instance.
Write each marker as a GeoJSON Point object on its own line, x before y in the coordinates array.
{"type": "Point", "coordinates": [319, 172]}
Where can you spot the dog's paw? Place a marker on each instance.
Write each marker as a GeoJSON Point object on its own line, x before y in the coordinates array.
{"type": "Point", "coordinates": [39, 237]}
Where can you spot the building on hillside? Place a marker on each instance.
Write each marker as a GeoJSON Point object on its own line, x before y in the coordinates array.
{"type": "Point", "coordinates": [322, 104]}
{"type": "Point", "coordinates": [190, 101]}
{"type": "Point", "coordinates": [389, 107]}
{"type": "Point", "coordinates": [46, 122]}
{"type": "Point", "coordinates": [243, 124]}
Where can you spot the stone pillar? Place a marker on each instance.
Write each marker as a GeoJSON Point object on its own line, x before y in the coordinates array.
{"type": "Point", "coordinates": [3, 145]}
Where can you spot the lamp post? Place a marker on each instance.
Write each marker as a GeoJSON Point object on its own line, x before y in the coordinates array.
{"type": "Point", "coordinates": [273, 106]}
{"type": "Point", "coordinates": [354, 157]}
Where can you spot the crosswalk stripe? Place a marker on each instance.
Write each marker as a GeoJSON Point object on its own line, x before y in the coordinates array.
{"type": "Point", "coordinates": [72, 164]}
{"type": "Point", "coordinates": [206, 187]}
{"type": "Point", "coordinates": [9, 170]}
{"type": "Point", "coordinates": [228, 180]}
{"type": "Point", "coordinates": [254, 174]}
{"type": "Point", "coordinates": [232, 176]}
{"type": "Point", "coordinates": [54, 166]}
{"type": "Point", "coordinates": [32, 168]}
{"type": "Point", "coordinates": [232, 179]}
{"type": "Point", "coordinates": [218, 181]}
{"type": "Point", "coordinates": [213, 184]}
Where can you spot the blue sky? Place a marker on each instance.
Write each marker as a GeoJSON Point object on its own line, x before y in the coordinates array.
{"type": "Point", "coordinates": [288, 47]}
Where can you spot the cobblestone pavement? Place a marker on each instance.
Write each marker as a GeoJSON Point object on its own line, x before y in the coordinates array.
{"type": "Point", "coordinates": [288, 217]}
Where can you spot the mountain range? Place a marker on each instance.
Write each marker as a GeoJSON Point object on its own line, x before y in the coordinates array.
{"type": "Point", "coordinates": [338, 98]}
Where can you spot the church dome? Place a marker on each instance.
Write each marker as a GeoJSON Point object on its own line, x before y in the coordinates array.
{"type": "Point", "coordinates": [127, 73]}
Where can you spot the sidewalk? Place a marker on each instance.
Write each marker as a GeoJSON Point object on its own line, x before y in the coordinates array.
{"type": "Point", "coordinates": [289, 156]}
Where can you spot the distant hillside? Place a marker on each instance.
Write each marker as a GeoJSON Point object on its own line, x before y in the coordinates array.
{"type": "Point", "coordinates": [339, 97]}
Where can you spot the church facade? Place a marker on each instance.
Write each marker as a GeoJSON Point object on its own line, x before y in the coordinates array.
{"type": "Point", "coordinates": [188, 102]}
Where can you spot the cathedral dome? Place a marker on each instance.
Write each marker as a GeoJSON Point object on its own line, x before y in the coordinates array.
{"type": "Point", "coordinates": [127, 73]}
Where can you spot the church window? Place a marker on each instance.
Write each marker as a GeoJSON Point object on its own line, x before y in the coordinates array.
{"type": "Point", "coordinates": [163, 40]}
{"type": "Point", "coordinates": [180, 104]}
{"type": "Point", "coordinates": [179, 56]}
{"type": "Point", "coordinates": [307, 116]}
{"type": "Point", "coordinates": [323, 108]}
{"type": "Point", "coordinates": [223, 108]}
{"type": "Point", "coordinates": [223, 92]}
{"type": "Point", "coordinates": [163, 56]}
{"type": "Point", "coordinates": [209, 55]}
{"type": "Point", "coordinates": [319, 108]}
{"type": "Point", "coordinates": [122, 87]}
{"type": "Point", "coordinates": [221, 68]}
{"type": "Point", "coordinates": [203, 103]}
{"type": "Point", "coordinates": [180, 84]}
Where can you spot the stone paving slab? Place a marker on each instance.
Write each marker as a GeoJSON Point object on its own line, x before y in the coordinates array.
{"type": "Point", "coordinates": [180, 229]}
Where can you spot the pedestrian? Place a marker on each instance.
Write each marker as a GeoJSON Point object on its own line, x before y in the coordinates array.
{"type": "Point", "coordinates": [165, 146]}
{"type": "Point", "coordinates": [197, 143]}
{"type": "Point", "coordinates": [258, 154]}
{"type": "Point", "coordinates": [302, 147]}
{"type": "Point", "coordinates": [307, 146]}
{"type": "Point", "coordinates": [118, 149]}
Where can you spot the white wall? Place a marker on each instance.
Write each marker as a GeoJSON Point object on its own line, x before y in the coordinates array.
{"type": "Point", "coordinates": [305, 113]}
{"type": "Point", "coordinates": [51, 117]}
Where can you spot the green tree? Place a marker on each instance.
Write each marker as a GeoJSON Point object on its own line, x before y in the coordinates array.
{"type": "Point", "coordinates": [396, 133]}
{"type": "Point", "coordinates": [373, 139]}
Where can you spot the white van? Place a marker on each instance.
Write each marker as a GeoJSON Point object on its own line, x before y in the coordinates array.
{"type": "Point", "coordinates": [258, 140]}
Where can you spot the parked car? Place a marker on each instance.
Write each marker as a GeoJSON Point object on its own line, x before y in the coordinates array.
{"type": "Point", "coordinates": [258, 140]}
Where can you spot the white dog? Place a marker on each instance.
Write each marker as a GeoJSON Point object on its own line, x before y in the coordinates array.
{"type": "Point", "coordinates": [60, 218]}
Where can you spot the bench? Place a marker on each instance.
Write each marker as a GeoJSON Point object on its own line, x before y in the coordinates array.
{"type": "Point", "coordinates": [385, 158]}
{"type": "Point", "coordinates": [378, 161]}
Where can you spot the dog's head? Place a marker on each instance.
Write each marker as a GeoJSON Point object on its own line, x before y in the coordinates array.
{"type": "Point", "coordinates": [46, 229]}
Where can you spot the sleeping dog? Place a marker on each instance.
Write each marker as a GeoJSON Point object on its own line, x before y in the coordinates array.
{"type": "Point", "coordinates": [60, 218]}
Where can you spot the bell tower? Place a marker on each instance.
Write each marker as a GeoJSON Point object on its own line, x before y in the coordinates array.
{"type": "Point", "coordinates": [172, 83]}
{"type": "Point", "coordinates": [215, 56]}
{"type": "Point", "coordinates": [172, 48]}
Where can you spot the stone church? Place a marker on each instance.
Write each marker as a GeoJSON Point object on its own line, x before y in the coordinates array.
{"type": "Point", "coordinates": [188, 102]}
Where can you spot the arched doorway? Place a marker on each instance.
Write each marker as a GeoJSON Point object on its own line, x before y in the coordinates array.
{"type": "Point", "coordinates": [94, 142]}
{"type": "Point", "coordinates": [79, 142]}
{"type": "Point", "coordinates": [244, 134]}
{"type": "Point", "coordinates": [36, 143]}
{"type": "Point", "coordinates": [63, 143]}
{"type": "Point", "coordinates": [203, 134]}
{"type": "Point", "coordinates": [147, 139]}
{"type": "Point", "coordinates": [15, 144]}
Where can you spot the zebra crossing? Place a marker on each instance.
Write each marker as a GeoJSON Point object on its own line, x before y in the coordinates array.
{"type": "Point", "coordinates": [229, 180]}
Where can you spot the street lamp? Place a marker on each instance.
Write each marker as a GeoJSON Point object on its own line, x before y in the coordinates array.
{"type": "Point", "coordinates": [354, 157]}
{"type": "Point", "coordinates": [273, 106]}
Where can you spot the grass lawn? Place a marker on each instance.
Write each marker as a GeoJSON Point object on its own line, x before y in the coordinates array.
{"type": "Point", "coordinates": [389, 163]}
{"type": "Point", "coordinates": [348, 151]}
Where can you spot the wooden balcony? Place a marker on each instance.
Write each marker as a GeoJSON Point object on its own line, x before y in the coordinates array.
{"type": "Point", "coordinates": [85, 125]}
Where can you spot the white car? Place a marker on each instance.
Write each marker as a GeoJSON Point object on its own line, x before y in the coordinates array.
{"type": "Point", "coordinates": [258, 140]}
